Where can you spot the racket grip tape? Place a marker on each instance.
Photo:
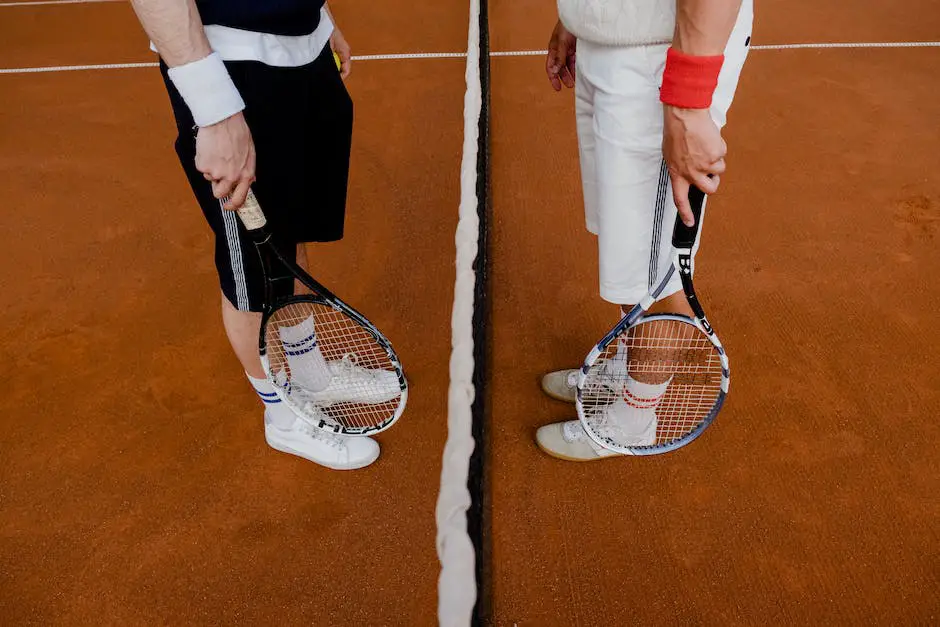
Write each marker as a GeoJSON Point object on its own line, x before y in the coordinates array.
{"type": "Point", "coordinates": [684, 236]}
{"type": "Point", "coordinates": [250, 213]}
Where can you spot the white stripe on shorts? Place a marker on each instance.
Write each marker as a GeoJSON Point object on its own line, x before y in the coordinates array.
{"type": "Point", "coordinates": [235, 257]}
{"type": "Point", "coordinates": [658, 218]}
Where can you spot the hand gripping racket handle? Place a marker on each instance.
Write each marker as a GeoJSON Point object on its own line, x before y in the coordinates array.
{"type": "Point", "coordinates": [251, 215]}
{"type": "Point", "coordinates": [684, 236]}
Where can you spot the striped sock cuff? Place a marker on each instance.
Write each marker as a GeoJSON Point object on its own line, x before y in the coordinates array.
{"type": "Point", "coordinates": [301, 346]}
{"type": "Point", "coordinates": [264, 389]}
{"type": "Point", "coordinates": [277, 413]}
{"type": "Point", "coordinates": [644, 395]}
{"type": "Point", "coordinates": [268, 399]}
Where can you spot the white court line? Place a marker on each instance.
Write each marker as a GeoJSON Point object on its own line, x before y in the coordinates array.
{"type": "Point", "coordinates": [416, 55]}
{"type": "Point", "coordinates": [458, 55]}
{"type": "Point", "coordinates": [42, 2]}
{"type": "Point", "coordinates": [891, 44]}
{"type": "Point", "coordinates": [440, 55]}
{"type": "Point", "coordinates": [888, 44]}
{"type": "Point", "coordinates": [74, 68]}
{"type": "Point", "coordinates": [122, 66]}
{"type": "Point", "coordinates": [518, 53]}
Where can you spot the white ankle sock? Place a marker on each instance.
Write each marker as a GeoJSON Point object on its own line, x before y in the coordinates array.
{"type": "Point", "coordinates": [279, 414]}
{"type": "Point", "coordinates": [307, 366]}
{"type": "Point", "coordinates": [644, 395]}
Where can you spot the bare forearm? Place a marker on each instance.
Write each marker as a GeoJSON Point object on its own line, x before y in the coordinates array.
{"type": "Point", "coordinates": [175, 28]}
{"type": "Point", "coordinates": [704, 26]}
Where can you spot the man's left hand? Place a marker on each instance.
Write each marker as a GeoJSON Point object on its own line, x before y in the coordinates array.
{"type": "Point", "coordinates": [341, 47]}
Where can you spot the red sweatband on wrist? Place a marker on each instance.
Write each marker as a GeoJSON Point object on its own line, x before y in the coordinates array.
{"type": "Point", "coordinates": [690, 81]}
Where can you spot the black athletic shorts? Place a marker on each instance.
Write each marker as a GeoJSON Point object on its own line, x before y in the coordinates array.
{"type": "Point", "coordinates": [300, 119]}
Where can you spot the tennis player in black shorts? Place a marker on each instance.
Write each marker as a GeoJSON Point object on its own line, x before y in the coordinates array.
{"type": "Point", "coordinates": [259, 100]}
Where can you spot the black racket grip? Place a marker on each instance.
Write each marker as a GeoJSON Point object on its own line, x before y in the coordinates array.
{"type": "Point", "coordinates": [684, 236]}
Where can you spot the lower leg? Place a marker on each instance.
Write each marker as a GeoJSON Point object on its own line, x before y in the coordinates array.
{"type": "Point", "coordinates": [243, 327]}
{"type": "Point", "coordinates": [674, 303]}
{"type": "Point", "coordinates": [647, 365]}
{"type": "Point", "coordinates": [301, 256]}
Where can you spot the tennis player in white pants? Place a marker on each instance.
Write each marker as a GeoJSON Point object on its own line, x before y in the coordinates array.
{"type": "Point", "coordinates": [653, 81]}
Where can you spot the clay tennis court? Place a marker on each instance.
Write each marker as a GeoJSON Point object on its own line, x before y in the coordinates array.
{"type": "Point", "coordinates": [135, 484]}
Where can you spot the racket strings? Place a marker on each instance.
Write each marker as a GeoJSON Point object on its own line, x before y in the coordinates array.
{"type": "Point", "coordinates": [329, 367]}
{"type": "Point", "coordinates": [655, 383]}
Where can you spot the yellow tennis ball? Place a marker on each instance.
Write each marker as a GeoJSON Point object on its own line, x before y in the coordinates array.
{"type": "Point", "coordinates": [339, 64]}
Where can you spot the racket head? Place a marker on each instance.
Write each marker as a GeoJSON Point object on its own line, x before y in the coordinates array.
{"type": "Point", "coordinates": [648, 419]}
{"type": "Point", "coordinates": [355, 387]}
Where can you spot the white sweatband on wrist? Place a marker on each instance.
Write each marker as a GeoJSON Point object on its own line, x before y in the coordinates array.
{"type": "Point", "coordinates": [207, 89]}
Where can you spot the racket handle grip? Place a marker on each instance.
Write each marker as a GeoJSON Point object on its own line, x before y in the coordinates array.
{"type": "Point", "coordinates": [250, 213]}
{"type": "Point", "coordinates": [684, 236]}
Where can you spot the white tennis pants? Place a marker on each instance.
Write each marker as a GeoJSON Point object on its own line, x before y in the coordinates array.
{"type": "Point", "coordinates": [627, 193]}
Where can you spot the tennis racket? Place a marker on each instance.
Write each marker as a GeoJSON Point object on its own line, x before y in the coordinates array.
{"type": "Point", "coordinates": [656, 381]}
{"type": "Point", "coordinates": [326, 361]}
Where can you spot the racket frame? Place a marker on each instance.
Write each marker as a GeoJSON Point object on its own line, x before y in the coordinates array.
{"type": "Point", "coordinates": [256, 224]}
{"type": "Point", "coordinates": [682, 262]}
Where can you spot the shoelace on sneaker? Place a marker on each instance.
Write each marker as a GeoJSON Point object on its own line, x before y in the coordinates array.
{"type": "Point", "coordinates": [318, 434]}
{"type": "Point", "coordinates": [350, 361]}
{"type": "Point", "coordinates": [572, 380]}
{"type": "Point", "coordinates": [351, 368]}
{"type": "Point", "coordinates": [572, 431]}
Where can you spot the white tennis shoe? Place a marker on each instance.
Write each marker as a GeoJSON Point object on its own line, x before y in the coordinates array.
{"type": "Point", "coordinates": [621, 422]}
{"type": "Point", "coordinates": [351, 383]}
{"type": "Point", "coordinates": [562, 385]}
{"type": "Point", "coordinates": [339, 452]}
{"type": "Point", "coordinates": [629, 425]}
{"type": "Point", "coordinates": [570, 442]}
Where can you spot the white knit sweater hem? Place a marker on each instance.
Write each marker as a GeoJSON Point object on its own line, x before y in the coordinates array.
{"type": "Point", "coordinates": [620, 22]}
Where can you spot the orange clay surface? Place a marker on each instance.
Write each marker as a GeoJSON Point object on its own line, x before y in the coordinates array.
{"type": "Point", "coordinates": [813, 498]}
{"type": "Point", "coordinates": [136, 487]}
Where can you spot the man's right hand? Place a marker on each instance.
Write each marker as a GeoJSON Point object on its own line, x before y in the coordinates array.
{"type": "Point", "coordinates": [225, 154]}
{"type": "Point", "coordinates": [695, 154]}
{"type": "Point", "coordinates": [560, 63]}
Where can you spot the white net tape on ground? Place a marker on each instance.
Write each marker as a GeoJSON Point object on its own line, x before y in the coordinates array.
{"type": "Point", "coordinates": [457, 590]}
